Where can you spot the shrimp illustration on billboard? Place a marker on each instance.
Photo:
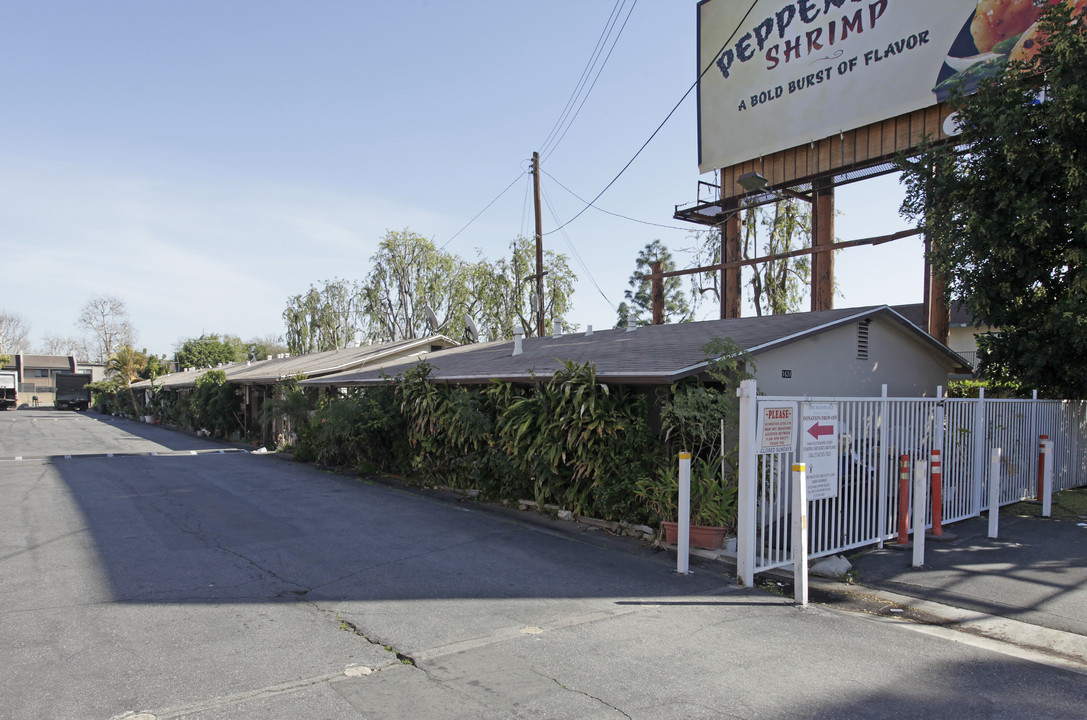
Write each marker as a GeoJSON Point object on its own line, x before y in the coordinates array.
{"type": "Point", "coordinates": [997, 32]}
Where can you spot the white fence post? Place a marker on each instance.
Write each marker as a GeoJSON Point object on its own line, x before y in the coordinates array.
{"type": "Point", "coordinates": [747, 491]}
{"type": "Point", "coordinates": [920, 504]}
{"type": "Point", "coordinates": [979, 453]}
{"type": "Point", "coordinates": [994, 492]}
{"type": "Point", "coordinates": [1047, 478]}
{"type": "Point", "coordinates": [683, 519]}
{"type": "Point", "coordinates": [883, 472]}
{"type": "Point", "coordinates": [800, 535]}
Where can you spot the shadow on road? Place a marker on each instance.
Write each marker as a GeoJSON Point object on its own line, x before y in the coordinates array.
{"type": "Point", "coordinates": [243, 528]}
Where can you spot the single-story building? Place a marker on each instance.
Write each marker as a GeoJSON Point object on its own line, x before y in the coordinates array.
{"type": "Point", "coordinates": [849, 352]}
{"type": "Point", "coordinates": [258, 378]}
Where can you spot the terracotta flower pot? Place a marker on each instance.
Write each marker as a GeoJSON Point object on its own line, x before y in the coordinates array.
{"type": "Point", "coordinates": [702, 536]}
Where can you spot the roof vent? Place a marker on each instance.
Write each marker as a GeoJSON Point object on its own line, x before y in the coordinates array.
{"type": "Point", "coordinates": [862, 340]}
{"type": "Point", "coordinates": [632, 322]}
{"type": "Point", "coordinates": [588, 330]}
{"type": "Point", "coordinates": [557, 327]}
{"type": "Point", "coordinates": [518, 334]}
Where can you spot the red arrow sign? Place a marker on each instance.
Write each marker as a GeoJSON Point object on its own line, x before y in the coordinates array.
{"type": "Point", "coordinates": [817, 431]}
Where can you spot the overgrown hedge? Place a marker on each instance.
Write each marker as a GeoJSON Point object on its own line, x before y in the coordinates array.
{"type": "Point", "coordinates": [570, 441]}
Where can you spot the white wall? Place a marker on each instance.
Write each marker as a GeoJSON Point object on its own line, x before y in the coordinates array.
{"type": "Point", "coordinates": [827, 364]}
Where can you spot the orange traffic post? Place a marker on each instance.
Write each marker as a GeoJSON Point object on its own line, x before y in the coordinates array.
{"type": "Point", "coordinates": [903, 499]}
{"type": "Point", "coordinates": [937, 474]}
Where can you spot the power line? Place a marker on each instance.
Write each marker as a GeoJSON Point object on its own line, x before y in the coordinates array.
{"type": "Point", "coordinates": [577, 256]}
{"type": "Point", "coordinates": [662, 124]}
{"type": "Point", "coordinates": [492, 202]}
{"type": "Point", "coordinates": [593, 85]}
{"type": "Point", "coordinates": [614, 214]}
{"type": "Point", "coordinates": [584, 73]}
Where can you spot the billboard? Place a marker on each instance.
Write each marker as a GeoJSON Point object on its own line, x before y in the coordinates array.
{"type": "Point", "coordinates": [784, 74]}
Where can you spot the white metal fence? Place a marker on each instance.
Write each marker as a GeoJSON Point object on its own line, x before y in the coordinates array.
{"type": "Point", "coordinates": [873, 434]}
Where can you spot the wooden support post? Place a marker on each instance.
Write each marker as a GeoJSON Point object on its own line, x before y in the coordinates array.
{"type": "Point", "coordinates": [937, 315]}
{"type": "Point", "coordinates": [539, 309]}
{"type": "Point", "coordinates": [731, 295]}
{"type": "Point", "coordinates": [822, 264]}
{"type": "Point", "coordinates": [657, 267]}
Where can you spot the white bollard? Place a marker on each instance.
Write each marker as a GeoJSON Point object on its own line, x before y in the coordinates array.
{"type": "Point", "coordinates": [683, 547]}
{"type": "Point", "coordinates": [994, 492]}
{"type": "Point", "coordinates": [800, 535]}
{"type": "Point", "coordinates": [920, 505]}
{"type": "Point", "coordinates": [1047, 479]}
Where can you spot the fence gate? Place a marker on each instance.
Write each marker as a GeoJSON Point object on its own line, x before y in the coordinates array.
{"type": "Point", "coordinates": [871, 434]}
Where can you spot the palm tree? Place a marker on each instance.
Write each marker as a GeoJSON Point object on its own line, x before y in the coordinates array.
{"type": "Point", "coordinates": [125, 366]}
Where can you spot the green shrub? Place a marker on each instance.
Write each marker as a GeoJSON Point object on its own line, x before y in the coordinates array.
{"type": "Point", "coordinates": [217, 405]}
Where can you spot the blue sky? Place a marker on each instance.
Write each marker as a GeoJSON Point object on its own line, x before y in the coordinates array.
{"type": "Point", "coordinates": [203, 161]}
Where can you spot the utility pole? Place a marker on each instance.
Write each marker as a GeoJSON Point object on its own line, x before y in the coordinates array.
{"type": "Point", "coordinates": [539, 245]}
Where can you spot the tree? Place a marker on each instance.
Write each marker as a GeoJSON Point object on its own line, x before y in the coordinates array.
{"type": "Point", "coordinates": [14, 334]}
{"type": "Point", "coordinates": [125, 365]}
{"type": "Point", "coordinates": [505, 298]}
{"type": "Point", "coordinates": [409, 273]}
{"type": "Point", "coordinates": [325, 318]}
{"type": "Point", "coordinates": [69, 345]}
{"type": "Point", "coordinates": [623, 316]}
{"type": "Point", "coordinates": [105, 318]}
{"type": "Point", "coordinates": [261, 348]}
{"type": "Point", "coordinates": [777, 287]}
{"type": "Point", "coordinates": [209, 351]}
{"type": "Point", "coordinates": [1006, 219]}
{"type": "Point", "coordinates": [640, 295]}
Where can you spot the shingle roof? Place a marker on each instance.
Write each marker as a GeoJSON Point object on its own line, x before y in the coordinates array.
{"type": "Point", "coordinates": [915, 313]}
{"type": "Point", "coordinates": [271, 371]}
{"type": "Point", "coordinates": [52, 362]}
{"type": "Point", "coordinates": [657, 354]}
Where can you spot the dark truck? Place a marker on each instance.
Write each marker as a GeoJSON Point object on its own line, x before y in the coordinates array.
{"type": "Point", "coordinates": [9, 390]}
{"type": "Point", "coordinates": [72, 391]}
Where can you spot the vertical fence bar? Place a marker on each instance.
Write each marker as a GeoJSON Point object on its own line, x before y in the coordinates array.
{"type": "Point", "coordinates": [1042, 441]}
{"type": "Point", "coordinates": [920, 500]}
{"type": "Point", "coordinates": [903, 499]}
{"type": "Point", "coordinates": [883, 475]}
{"type": "Point", "coordinates": [1047, 478]}
{"type": "Point", "coordinates": [683, 550]}
{"type": "Point", "coordinates": [800, 535]}
{"type": "Point", "coordinates": [937, 493]}
{"type": "Point", "coordinates": [994, 492]}
{"type": "Point", "coordinates": [978, 501]}
{"type": "Point", "coordinates": [747, 485]}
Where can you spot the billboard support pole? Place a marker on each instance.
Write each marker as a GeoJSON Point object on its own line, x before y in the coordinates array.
{"type": "Point", "coordinates": [822, 264]}
{"type": "Point", "coordinates": [731, 294]}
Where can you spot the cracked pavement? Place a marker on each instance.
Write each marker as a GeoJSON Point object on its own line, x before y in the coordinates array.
{"type": "Point", "coordinates": [218, 586]}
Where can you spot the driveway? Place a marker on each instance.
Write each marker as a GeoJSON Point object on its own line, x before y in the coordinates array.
{"type": "Point", "coordinates": [149, 572]}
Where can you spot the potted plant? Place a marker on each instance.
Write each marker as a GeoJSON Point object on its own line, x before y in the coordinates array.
{"type": "Point", "coordinates": [713, 503]}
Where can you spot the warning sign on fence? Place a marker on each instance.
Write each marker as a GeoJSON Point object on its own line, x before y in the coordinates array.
{"type": "Point", "coordinates": [819, 448]}
{"type": "Point", "coordinates": [776, 427]}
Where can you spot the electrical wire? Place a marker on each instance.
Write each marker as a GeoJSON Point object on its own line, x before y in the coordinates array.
{"type": "Point", "coordinates": [577, 256]}
{"type": "Point", "coordinates": [659, 127]}
{"type": "Point", "coordinates": [584, 73]}
{"type": "Point", "coordinates": [614, 214]}
{"type": "Point", "coordinates": [593, 85]}
{"type": "Point", "coordinates": [492, 202]}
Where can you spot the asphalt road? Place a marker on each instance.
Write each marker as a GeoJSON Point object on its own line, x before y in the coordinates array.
{"type": "Point", "coordinates": [145, 573]}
